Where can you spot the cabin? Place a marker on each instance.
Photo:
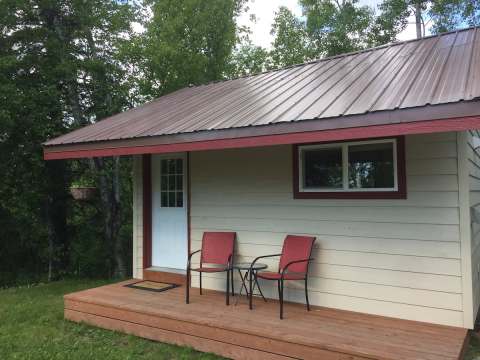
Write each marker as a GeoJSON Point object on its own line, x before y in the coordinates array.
{"type": "Point", "coordinates": [374, 153]}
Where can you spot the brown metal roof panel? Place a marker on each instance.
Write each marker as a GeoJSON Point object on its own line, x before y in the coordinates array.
{"type": "Point", "coordinates": [200, 117]}
{"type": "Point", "coordinates": [319, 107]}
{"type": "Point", "coordinates": [124, 127]}
{"type": "Point", "coordinates": [272, 114]}
{"type": "Point", "coordinates": [110, 124]}
{"type": "Point", "coordinates": [378, 86]}
{"type": "Point", "coordinates": [401, 83]}
{"type": "Point", "coordinates": [427, 78]}
{"type": "Point", "coordinates": [295, 113]}
{"type": "Point", "coordinates": [473, 77]}
{"type": "Point", "coordinates": [342, 103]}
{"type": "Point", "coordinates": [232, 117]}
{"type": "Point", "coordinates": [435, 70]}
{"type": "Point", "coordinates": [253, 109]}
{"type": "Point", "coordinates": [453, 79]}
{"type": "Point", "coordinates": [163, 115]}
{"type": "Point", "coordinates": [193, 100]}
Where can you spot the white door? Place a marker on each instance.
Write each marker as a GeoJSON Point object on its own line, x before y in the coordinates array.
{"type": "Point", "coordinates": [169, 211]}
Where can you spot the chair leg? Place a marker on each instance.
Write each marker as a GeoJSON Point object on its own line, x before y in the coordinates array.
{"type": "Point", "coordinates": [231, 279]}
{"type": "Point", "coordinates": [227, 290]}
{"type": "Point", "coordinates": [200, 283]}
{"type": "Point", "coordinates": [278, 288]}
{"type": "Point", "coordinates": [250, 294]}
{"type": "Point", "coordinates": [187, 288]}
{"type": "Point", "coordinates": [281, 299]}
{"type": "Point", "coordinates": [306, 294]}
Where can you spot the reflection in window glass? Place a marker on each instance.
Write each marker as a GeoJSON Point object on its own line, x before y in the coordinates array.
{"type": "Point", "coordinates": [179, 199]}
{"type": "Point", "coordinates": [171, 166]}
{"type": "Point", "coordinates": [322, 168]}
{"type": "Point", "coordinates": [371, 166]}
{"type": "Point", "coordinates": [171, 183]}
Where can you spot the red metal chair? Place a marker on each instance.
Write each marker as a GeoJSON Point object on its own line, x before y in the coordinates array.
{"type": "Point", "coordinates": [294, 261]}
{"type": "Point", "coordinates": [217, 255]}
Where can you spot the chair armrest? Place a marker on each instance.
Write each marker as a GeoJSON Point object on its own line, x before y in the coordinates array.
{"type": "Point", "coordinates": [190, 257]}
{"type": "Point", "coordinates": [294, 262]}
{"type": "Point", "coordinates": [262, 257]}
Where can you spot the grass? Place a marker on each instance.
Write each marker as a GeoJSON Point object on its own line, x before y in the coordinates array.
{"type": "Point", "coordinates": [32, 327]}
{"type": "Point", "coordinates": [473, 352]}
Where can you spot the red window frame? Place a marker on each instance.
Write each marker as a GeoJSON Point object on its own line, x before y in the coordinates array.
{"type": "Point", "coordinates": [400, 193]}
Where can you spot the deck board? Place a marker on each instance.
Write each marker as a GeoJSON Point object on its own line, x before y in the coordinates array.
{"type": "Point", "coordinates": [236, 332]}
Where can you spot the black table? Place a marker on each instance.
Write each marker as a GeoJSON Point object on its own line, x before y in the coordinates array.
{"type": "Point", "coordinates": [246, 277]}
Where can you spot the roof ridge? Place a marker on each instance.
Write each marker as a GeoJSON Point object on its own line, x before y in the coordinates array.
{"type": "Point", "coordinates": [328, 58]}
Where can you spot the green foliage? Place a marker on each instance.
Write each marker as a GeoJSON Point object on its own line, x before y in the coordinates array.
{"type": "Point", "coordinates": [292, 44]}
{"type": "Point", "coordinates": [331, 27]}
{"type": "Point", "coordinates": [33, 327]}
{"type": "Point", "coordinates": [186, 42]}
{"type": "Point", "coordinates": [337, 27]}
{"type": "Point", "coordinates": [60, 68]}
{"type": "Point", "coordinates": [449, 15]}
{"type": "Point", "coordinates": [392, 20]}
{"type": "Point", "coordinates": [247, 59]}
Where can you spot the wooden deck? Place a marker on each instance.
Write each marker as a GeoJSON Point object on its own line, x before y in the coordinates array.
{"type": "Point", "coordinates": [206, 324]}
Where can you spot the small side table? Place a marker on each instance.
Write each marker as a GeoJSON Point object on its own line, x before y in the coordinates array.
{"type": "Point", "coordinates": [245, 277]}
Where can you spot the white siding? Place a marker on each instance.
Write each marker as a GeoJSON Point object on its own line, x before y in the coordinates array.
{"type": "Point", "coordinates": [137, 218]}
{"type": "Point", "coordinates": [473, 165]}
{"type": "Point", "coordinates": [398, 258]}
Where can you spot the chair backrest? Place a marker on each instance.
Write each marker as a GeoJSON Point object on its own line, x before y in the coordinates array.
{"type": "Point", "coordinates": [296, 248]}
{"type": "Point", "coordinates": [217, 247]}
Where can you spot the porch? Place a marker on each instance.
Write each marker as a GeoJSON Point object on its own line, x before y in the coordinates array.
{"type": "Point", "coordinates": [236, 332]}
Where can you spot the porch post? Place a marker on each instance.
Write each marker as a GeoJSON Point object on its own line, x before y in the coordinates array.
{"type": "Point", "coordinates": [147, 210]}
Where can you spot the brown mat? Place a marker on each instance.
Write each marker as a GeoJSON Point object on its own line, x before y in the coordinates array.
{"type": "Point", "coordinates": [152, 286]}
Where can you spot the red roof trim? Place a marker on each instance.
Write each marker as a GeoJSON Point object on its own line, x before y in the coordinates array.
{"type": "Point", "coordinates": [418, 127]}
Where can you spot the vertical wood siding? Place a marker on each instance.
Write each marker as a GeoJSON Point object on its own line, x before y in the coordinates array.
{"type": "Point", "coordinates": [137, 270]}
{"type": "Point", "coordinates": [399, 258]}
{"type": "Point", "coordinates": [474, 190]}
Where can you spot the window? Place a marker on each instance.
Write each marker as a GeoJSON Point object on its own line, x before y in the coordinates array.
{"type": "Point", "coordinates": [362, 169]}
{"type": "Point", "coordinates": [171, 183]}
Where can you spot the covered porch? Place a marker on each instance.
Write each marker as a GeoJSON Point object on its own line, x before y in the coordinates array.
{"type": "Point", "coordinates": [207, 325]}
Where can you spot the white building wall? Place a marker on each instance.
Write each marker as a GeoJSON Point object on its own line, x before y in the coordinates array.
{"type": "Point", "coordinates": [399, 258]}
{"type": "Point", "coordinates": [473, 166]}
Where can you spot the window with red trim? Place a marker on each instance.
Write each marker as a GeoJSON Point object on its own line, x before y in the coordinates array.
{"type": "Point", "coordinates": [367, 169]}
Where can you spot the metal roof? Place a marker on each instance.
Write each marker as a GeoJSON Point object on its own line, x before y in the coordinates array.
{"type": "Point", "coordinates": [441, 69]}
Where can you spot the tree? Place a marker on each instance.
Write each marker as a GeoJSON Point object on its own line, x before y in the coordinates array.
{"type": "Point", "coordinates": [292, 44]}
{"type": "Point", "coordinates": [337, 27]}
{"type": "Point", "coordinates": [395, 14]}
{"type": "Point", "coordinates": [59, 70]}
{"type": "Point", "coordinates": [247, 59]}
{"type": "Point", "coordinates": [186, 42]}
{"type": "Point", "coordinates": [444, 15]}
{"type": "Point", "coordinates": [448, 15]}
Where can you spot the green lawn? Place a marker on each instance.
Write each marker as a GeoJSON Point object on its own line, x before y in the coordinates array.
{"type": "Point", "coordinates": [32, 327]}
{"type": "Point", "coordinates": [473, 352]}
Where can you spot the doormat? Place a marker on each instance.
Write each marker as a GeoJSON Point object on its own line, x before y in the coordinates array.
{"type": "Point", "coordinates": [152, 286]}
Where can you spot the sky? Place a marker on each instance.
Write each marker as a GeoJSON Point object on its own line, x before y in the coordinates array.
{"type": "Point", "coordinates": [264, 11]}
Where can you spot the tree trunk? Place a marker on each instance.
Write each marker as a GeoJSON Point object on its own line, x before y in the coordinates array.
{"type": "Point", "coordinates": [56, 219]}
{"type": "Point", "coordinates": [110, 196]}
{"type": "Point", "coordinates": [418, 19]}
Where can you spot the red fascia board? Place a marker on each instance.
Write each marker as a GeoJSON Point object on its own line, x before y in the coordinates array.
{"type": "Point", "coordinates": [418, 127]}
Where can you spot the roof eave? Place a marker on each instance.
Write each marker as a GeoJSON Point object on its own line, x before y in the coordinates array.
{"type": "Point", "coordinates": [427, 119]}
